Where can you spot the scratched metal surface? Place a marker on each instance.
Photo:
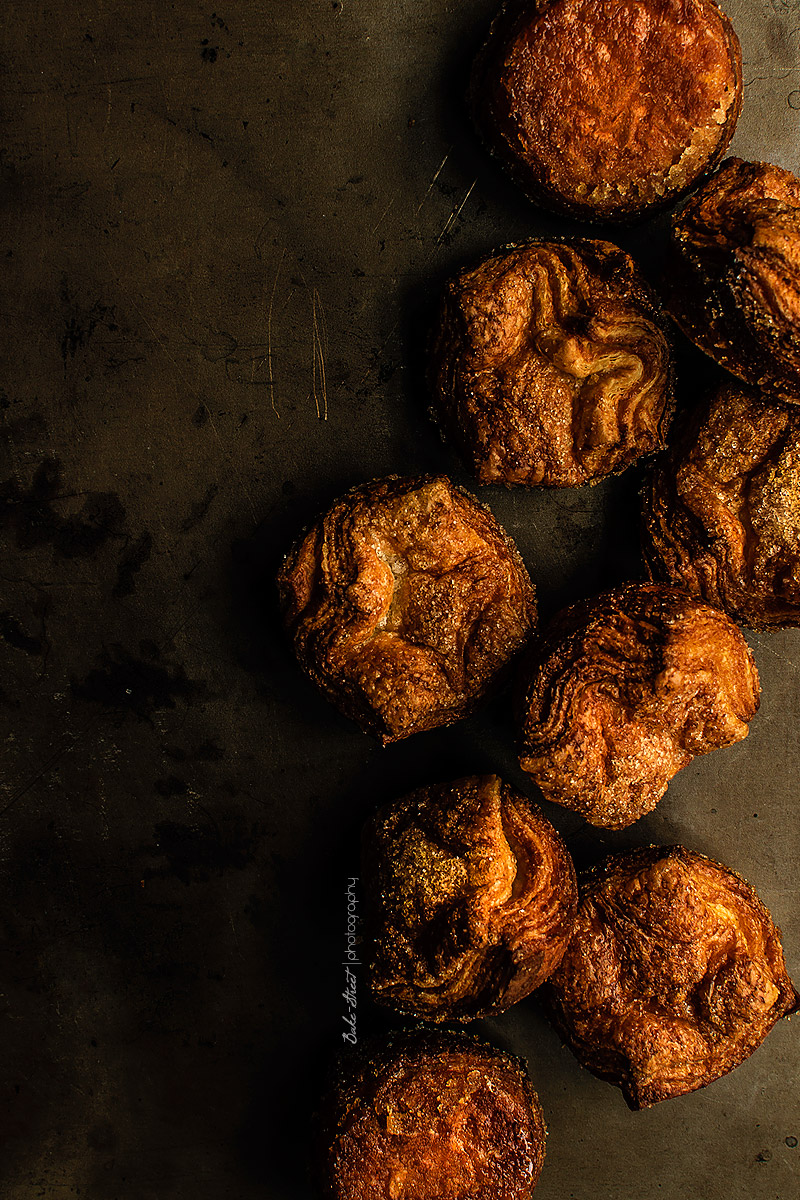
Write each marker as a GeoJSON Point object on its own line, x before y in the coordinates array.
{"type": "Point", "coordinates": [222, 235]}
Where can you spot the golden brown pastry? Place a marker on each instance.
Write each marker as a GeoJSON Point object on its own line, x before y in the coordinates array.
{"type": "Point", "coordinates": [623, 690]}
{"type": "Point", "coordinates": [735, 279]}
{"type": "Point", "coordinates": [549, 364]}
{"type": "Point", "coordinates": [470, 898]}
{"type": "Point", "coordinates": [427, 1116]}
{"type": "Point", "coordinates": [722, 507]}
{"type": "Point", "coordinates": [608, 109]}
{"type": "Point", "coordinates": [406, 604]}
{"type": "Point", "coordinates": [674, 976]}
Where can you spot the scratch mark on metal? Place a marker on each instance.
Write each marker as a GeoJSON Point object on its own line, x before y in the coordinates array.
{"type": "Point", "coordinates": [383, 214]}
{"type": "Point", "coordinates": [376, 358]}
{"type": "Point", "coordinates": [456, 213]}
{"type": "Point", "coordinates": [233, 927]}
{"type": "Point", "coordinates": [433, 181]}
{"type": "Point", "coordinates": [319, 347]}
{"type": "Point", "coordinates": [52, 583]}
{"type": "Point", "coordinates": [179, 628]}
{"type": "Point", "coordinates": [270, 376]}
{"type": "Point", "coordinates": [24, 788]}
{"type": "Point", "coordinates": [108, 111]}
{"type": "Point", "coordinates": [767, 78]}
{"type": "Point", "coordinates": [764, 645]}
{"type": "Point", "coordinates": [71, 140]}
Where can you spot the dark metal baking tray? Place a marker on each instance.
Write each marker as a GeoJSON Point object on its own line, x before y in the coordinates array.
{"type": "Point", "coordinates": [223, 233]}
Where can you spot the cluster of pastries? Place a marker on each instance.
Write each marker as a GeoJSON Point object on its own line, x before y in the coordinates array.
{"type": "Point", "coordinates": [408, 605]}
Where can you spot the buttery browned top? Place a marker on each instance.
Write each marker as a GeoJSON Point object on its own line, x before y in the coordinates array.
{"type": "Point", "coordinates": [608, 107]}
{"type": "Point", "coordinates": [675, 974]}
{"type": "Point", "coordinates": [736, 289]}
{"type": "Point", "coordinates": [406, 602]}
{"type": "Point", "coordinates": [470, 897]}
{"type": "Point", "coordinates": [431, 1117]}
{"type": "Point", "coordinates": [623, 690]}
{"type": "Point", "coordinates": [549, 364]}
{"type": "Point", "coordinates": [722, 508]}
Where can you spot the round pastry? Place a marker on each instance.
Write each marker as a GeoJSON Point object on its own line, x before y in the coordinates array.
{"type": "Point", "coordinates": [429, 1116]}
{"type": "Point", "coordinates": [722, 507]}
{"type": "Point", "coordinates": [470, 898]}
{"type": "Point", "coordinates": [674, 976]}
{"type": "Point", "coordinates": [624, 690]}
{"type": "Point", "coordinates": [406, 604]}
{"type": "Point", "coordinates": [608, 109]}
{"type": "Point", "coordinates": [735, 279]}
{"type": "Point", "coordinates": [550, 365]}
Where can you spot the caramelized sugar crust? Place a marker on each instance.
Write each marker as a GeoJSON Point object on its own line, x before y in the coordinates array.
{"type": "Point", "coordinates": [431, 1116]}
{"type": "Point", "coordinates": [550, 365]}
{"type": "Point", "coordinates": [624, 690]}
{"type": "Point", "coordinates": [674, 976]}
{"type": "Point", "coordinates": [736, 281]}
{"type": "Point", "coordinates": [470, 898]}
{"type": "Point", "coordinates": [406, 603]}
{"type": "Point", "coordinates": [608, 109]}
{"type": "Point", "coordinates": [722, 507]}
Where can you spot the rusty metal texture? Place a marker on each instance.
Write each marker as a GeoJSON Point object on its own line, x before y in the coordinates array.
{"type": "Point", "coordinates": [223, 233]}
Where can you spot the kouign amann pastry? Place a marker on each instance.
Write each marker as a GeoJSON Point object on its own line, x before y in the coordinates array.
{"type": "Point", "coordinates": [427, 1116]}
{"type": "Point", "coordinates": [735, 275]}
{"type": "Point", "coordinates": [608, 109]}
{"type": "Point", "coordinates": [674, 976]}
{"type": "Point", "coordinates": [406, 604]}
{"type": "Point", "coordinates": [550, 365]}
{"type": "Point", "coordinates": [623, 690]}
{"type": "Point", "coordinates": [722, 507]}
{"type": "Point", "coordinates": [470, 897]}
